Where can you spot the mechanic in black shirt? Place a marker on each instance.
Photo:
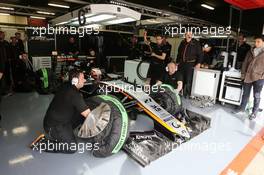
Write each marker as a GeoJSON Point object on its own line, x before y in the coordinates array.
{"type": "Point", "coordinates": [242, 50]}
{"type": "Point", "coordinates": [172, 77]}
{"type": "Point", "coordinates": [72, 48]}
{"type": "Point", "coordinates": [20, 43]}
{"type": "Point", "coordinates": [189, 58]}
{"type": "Point", "coordinates": [208, 53]}
{"type": "Point", "coordinates": [167, 47]}
{"type": "Point", "coordinates": [5, 59]}
{"type": "Point", "coordinates": [2, 66]}
{"type": "Point", "coordinates": [158, 55]}
{"type": "Point", "coordinates": [66, 111]}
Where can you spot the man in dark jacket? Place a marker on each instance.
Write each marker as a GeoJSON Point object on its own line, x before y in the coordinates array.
{"type": "Point", "coordinates": [167, 46]}
{"type": "Point", "coordinates": [157, 64]}
{"type": "Point", "coordinates": [189, 57]}
{"type": "Point", "coordinates": [252, 74]}
{"type": "Point", "coordinates": [3, 59]}
{"type": "Point", "coordinates": [1, 75]}
{"type": "Point", "coordinates": [20, 43]}
{"type": "Point", "coordinates": [242, 50]}
{"type": "Point", "coordinates": [72, 48]}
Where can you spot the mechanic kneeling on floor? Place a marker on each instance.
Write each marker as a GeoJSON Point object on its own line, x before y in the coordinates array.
{"type": "Point", "coordinates": [66, 111]}
{"type": "Point", "coordinates": [173, 77]}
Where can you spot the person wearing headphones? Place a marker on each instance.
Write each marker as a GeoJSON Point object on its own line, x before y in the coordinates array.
{"type": "Point", "coordinates": [66, 111]}
{"type": "Point", "coordinates": [172, 77]}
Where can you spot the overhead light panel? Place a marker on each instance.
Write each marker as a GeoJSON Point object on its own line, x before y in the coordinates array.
{"type": "Point", "coordinates": [93, 26]}
{"type": "Point", "coordinates": [218, 36]}
{"type": "Point", "coordinates": [37, 17]}
{"type": "Point", "coordinates": [7, 8]}
{"type": "Point", "coordinates": [104, 14]}
{"type": "Point", "coordinates": [45, 13]}
{"type": "Point", "coordinates": [98, 18]}
{"type": "Point", "coordinates": [59, 5]}
{"type": "Point", "coordinates": [4, 14]}
{"type": "Point", "coordinates": [122, 20]}
{"type": "Point", "coordinates": [62, 23]}
{"type": "Point", "coordinates": [207, 6]}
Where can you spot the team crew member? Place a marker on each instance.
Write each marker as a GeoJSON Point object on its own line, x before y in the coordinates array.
{"type": "Point", "coordinates": [2, 63]}
{"type": "Point", "coordinates": [167, 46]}
{"type": "Point", "coordinates": [20, 43]}
{"type": "Point", "coordinates": [157, 65]}
{"type": "Point", "coordinates": [173, 77]}
{"type": "Point", "coordinates": [72, 48]}
{"type": "Point", "coordinates": [189, 57]}
{"type": "Point", "coordinates": [92, 55]}
{"type": "Point", "coordinates": [242, 50]}
{"type": "Point", "coordinates": [66, 111]}
{"type": "Point", "coordinates": [5, 59]}
{"type": "Point", "coordinates": [252, 73]}
{"type": "Point", "coordinates": [208, 54]}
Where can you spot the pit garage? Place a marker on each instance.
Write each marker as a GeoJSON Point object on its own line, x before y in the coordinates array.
{"type": "Point", "coordinates": [131, 87]}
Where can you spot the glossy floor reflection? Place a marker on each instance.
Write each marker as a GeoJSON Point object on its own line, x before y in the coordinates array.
{"type": "Point", "coordinates": [207, 154]}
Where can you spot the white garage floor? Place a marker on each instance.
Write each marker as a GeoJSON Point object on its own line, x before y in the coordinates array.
{"type": "Point", "coordinates": [207, 154]}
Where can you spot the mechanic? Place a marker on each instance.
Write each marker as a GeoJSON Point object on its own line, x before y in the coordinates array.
{"type": "Point", "coordinates": [252, 74]}
{"type": "Point", "coordinates": [242, 50]}
{"type": "Point", "coordinates": [72, 48]}
{"type": "Point", "coordinates": [2, 65]}
{"type": "Point", "coordinates": [158, 55]}
{"type": "Point", "coordinates": [20, 43]}
{"type": "Point", "coordinates": [189, 57]}
{"type": "Point", "coordinates": [92, 54]}
{"type": "Point", "coordinates": [167, 46]}
{"type": "Point", "coordinates": [208, 54]}
{"type": "Point", "coordinates": [172, 77]}
{"type": "Point", "coordinates": [5, 54]}
{"type": "Point", "coordinates": [66, 111]}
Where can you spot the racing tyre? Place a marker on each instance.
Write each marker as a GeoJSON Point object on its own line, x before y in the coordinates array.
{"type": "Point", "coordinates": [168, 99]}
{"type": "Point", "coordinates": [115, 134]}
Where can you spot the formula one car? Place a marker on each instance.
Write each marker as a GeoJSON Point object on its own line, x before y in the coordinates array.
{"type": "Point", "coordinates": [173, 124]}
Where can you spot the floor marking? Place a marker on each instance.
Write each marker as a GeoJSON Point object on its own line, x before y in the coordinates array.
{"type": "Point", "coordinates": [246, 156]}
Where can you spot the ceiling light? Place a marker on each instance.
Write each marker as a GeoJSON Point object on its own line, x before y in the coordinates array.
{"type": "Point", "coordinates": [100, 14]}
{"type": "Point", "coordinates": [6, 8]}
{"type": "Point", "coordinates": [37, 17]}
{"type": "Point", "coordinates": [59, 5]}
{"type": "Point", "coordinates": [207, 6]}
{"type": "Point", "coordinates": [45, 13]}
{"type": "Point", "coordinates": [4, 14]}
{"type": "Point", "coordinates": [61, 23]}
{"type": "Point", "coordinates": [218, 36]}
{"type": "Point", "coordinates": [93, 26]}
{"type": "Point", "coordinates": [153, 21]}
{"type": "Point", "coordinates": [122, 20]}
{"type": "Point", "coordinates": [100, 18]}
{"type": "Point", "coordinates": [96, 18]}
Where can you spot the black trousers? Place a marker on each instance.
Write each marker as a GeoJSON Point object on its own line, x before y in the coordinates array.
{"type": "Point", "coordinates": [61, 136]}
{"type": "Point", "coordinates": [155, 72]}
{"type": "Point", "coordinates": [257, 88]}
{"type": "Point", "coordinates": [187, 72]}
{"type": "Point", "coordinates": [1, 90]}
